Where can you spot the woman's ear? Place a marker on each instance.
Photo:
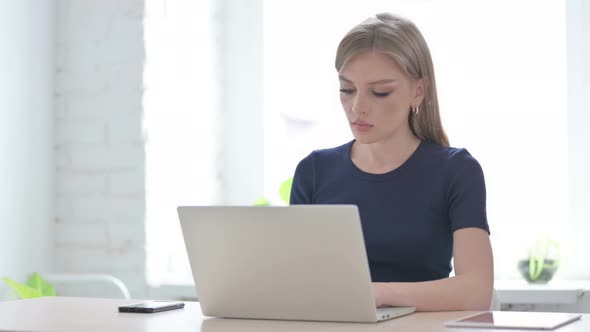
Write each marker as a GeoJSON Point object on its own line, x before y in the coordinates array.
{"type": "Point", "coordinates": [419, 91]}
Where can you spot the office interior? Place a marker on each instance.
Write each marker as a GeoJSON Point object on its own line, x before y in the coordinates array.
{"type": "Point", "coordinates": [115, 112]}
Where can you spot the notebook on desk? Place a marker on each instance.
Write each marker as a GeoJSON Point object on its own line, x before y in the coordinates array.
{"type": "Point", "coordinates": [302, 262]}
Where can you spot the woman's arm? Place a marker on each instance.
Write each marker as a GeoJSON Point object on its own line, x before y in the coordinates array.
{"type": "Point", "coordinates": [470, 289]}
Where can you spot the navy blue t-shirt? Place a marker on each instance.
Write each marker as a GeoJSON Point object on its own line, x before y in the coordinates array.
{"type": "Point", "coordinates": [408, 215]}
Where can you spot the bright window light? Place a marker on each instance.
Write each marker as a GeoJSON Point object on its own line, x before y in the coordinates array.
{"type": "Point", "coordinates": [501, 79]}
{"type": "Point", "coordinates": [500, 75]}
{"type": "Point", "coordinates": [180, 113]}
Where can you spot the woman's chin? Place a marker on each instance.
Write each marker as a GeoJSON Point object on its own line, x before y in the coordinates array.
{"type": "Point", "coordinates": [363, 139]}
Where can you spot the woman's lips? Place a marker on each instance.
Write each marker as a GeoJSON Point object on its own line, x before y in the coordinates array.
{"type": "Point", "coordinates": [361, 125]}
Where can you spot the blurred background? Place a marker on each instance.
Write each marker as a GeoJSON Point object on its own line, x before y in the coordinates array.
{"type": "Point", "coordinates": [114, 112]}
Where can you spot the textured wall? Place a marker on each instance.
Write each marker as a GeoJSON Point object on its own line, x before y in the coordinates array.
{"type": "Point", "coordinates": [99, 148]}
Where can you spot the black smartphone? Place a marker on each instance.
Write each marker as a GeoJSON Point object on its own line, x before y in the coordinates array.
{"type": "Point", "coordinates": [151, 306]}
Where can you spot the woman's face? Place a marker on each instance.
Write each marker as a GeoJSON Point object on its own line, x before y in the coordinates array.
{"type": "Point", "coordinates": [377, 96]}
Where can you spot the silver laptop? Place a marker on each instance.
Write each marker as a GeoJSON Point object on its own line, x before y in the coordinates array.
{"type": "Point", "coordinates": [301, 262]}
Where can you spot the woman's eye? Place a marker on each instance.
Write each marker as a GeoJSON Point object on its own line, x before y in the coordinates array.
{"type": "Point", "coordinates": [381, 94]}
{"type": "Point", "coordinates": [347, 91]}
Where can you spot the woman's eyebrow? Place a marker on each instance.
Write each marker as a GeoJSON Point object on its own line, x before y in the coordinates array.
{"type": "Point", "coordinates": [383, 81]}
{"type": "Point", "coordinates": [342, 78]}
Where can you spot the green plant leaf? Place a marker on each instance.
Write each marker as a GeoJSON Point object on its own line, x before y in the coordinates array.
{"type": "Point", "coordinates": [261, 201]}
{"type": "Point", "coordinates": [535, 267]}
{"type": "Point", "coordinates": [543, 249]}
{"type": "Point", "coordinates": [285, 190]}
{"type": "Point", "coordinates": [23, 291]}
{"type": "Point", "coordinates": [36, 282]}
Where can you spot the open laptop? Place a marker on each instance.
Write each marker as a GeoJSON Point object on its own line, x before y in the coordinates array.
{"type": "Point", "coordinates": [301, 262]}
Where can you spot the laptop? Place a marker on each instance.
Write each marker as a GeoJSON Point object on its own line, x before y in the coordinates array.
{"type": "Point", "coordinates": [301, 262]}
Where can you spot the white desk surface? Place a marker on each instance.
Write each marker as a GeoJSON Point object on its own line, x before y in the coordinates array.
{"type": "Point", "coordinates": [89, 315]}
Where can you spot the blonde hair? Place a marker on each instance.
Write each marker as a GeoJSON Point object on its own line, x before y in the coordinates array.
{"type": "Point", "coordinates": [400, 39]}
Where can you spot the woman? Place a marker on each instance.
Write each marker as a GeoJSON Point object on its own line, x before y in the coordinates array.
{"type": "Point", "coordinates": [421, 202]}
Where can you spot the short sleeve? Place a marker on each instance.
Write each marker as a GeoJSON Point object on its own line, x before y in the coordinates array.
{"type": "Point", "coordinates": [303, 182]}
{"type": "Point", "coordinates": [466, 192]}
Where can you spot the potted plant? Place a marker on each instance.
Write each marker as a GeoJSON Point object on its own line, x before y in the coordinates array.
{"type": "Point", "coordinates": [542, 263]}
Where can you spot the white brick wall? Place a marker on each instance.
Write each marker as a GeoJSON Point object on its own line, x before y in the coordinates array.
{"type": "Point", "coordinates": [100, 186]}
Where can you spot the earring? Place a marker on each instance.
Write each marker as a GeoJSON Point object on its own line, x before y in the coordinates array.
{"type": "Point", "coordinates": [415, 109]}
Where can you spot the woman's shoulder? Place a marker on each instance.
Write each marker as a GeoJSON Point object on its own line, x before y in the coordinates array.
{"type": "Point", "coordinates": [454, 158]}
{"type": "Point", "coordinates": [323, 159]}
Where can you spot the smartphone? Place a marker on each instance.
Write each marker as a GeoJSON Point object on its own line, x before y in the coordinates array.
{"type": "Point", "coordinates": [151, 306]}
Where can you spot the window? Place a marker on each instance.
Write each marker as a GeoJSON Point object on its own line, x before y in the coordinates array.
{"type": "Point", "coordinates": [267, 82]}
{"type": "Point", "coordinates": [203, 118]}
{"type": "Point", "coordinates": [180, 105]}
{"type": "Point", "coordinates": [501, 78]}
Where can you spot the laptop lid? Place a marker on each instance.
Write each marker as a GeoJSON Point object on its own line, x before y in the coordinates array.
{"type": "Point", "coordinates": [302, 262]}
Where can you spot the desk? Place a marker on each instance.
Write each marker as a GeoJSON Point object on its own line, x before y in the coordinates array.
{"type": "Point", "coordinates": [69, 314]}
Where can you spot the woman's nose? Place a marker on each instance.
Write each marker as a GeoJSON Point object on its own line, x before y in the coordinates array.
{"type": "Point", "coordinates": [360, 104]}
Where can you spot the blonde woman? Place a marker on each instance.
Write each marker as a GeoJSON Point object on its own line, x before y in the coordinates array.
{"type": "Point", "coordinates": [422, 203]}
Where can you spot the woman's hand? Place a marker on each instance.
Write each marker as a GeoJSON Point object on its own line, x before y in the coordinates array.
{"type": "Point", "coordinates": [380, 290]}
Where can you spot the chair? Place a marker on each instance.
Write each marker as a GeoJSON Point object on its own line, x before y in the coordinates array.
{"type": "Point", "coordinates": [88, 285]}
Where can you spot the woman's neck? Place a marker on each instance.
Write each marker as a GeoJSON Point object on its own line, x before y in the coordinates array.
{"type": "Point", "coordinates": [384, 156]}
